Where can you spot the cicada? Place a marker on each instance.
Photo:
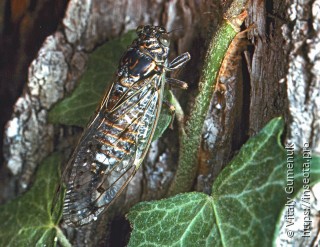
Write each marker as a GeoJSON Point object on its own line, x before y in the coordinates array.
{"type": "Point", "coordinates": [117, 139]}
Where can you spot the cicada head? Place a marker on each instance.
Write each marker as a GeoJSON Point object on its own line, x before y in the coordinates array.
{"type": "Point", "coordinates": [155, 40]}
{"type": "Point", "coordinates": [145, 57]}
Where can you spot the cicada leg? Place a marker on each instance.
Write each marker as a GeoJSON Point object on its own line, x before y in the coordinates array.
{"type": "Point", "coordinates": [172, 110]}
{"type": "Point", "coordinates": [179, 61]}
{"type": "Point", "coordinates": [177, 83]}
{"type": "Point", "coordinates": [176, 63]}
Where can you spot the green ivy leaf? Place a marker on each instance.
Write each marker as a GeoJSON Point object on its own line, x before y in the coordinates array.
{"type": "Point", "coordinates": [27, 220]}
{"type": "Point", "coordinates": [252, 187]}
{"type": "Point", "coordinates": [243, 209]}
{"type": "Point", "coordinates": [165, 117]}
{"type": "Point", "coordinates": [183, 220]}
{"type": "Point", "coordinates": [81, 104]}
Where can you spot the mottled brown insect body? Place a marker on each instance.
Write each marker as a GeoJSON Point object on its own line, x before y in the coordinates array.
{"type": "Point", "coordinates": [114, 144]}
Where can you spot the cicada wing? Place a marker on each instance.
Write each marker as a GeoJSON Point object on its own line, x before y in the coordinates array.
{"type": "Point", "coordinates": [95, 194]}
{"type": "Point", "coordinates": [95, 180]}
{"type": "Point", "coordinates": [109, 154]}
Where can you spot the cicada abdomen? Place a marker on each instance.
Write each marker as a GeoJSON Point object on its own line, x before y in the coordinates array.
{"type": "Point", "coordinates": [114, 144]}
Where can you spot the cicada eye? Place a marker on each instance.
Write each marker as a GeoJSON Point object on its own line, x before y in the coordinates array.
{"type": "Point", "coordinates": [162, 30]}
{"type": "Point", "coordinates": [139, 29]}
{"type": "Point", "coordinates": [164, 39]}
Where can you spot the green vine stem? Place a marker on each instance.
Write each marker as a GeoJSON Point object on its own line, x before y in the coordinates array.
{"type": "Point", "coordinates": [191, 135]}
{"type": "Point", "coordinates": [179, 114]}
{"type": "Point", "coordinates": [62, 238]}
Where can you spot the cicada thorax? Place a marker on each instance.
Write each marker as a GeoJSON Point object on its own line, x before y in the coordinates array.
{"type": "Point", "coordinates": [117, 139]}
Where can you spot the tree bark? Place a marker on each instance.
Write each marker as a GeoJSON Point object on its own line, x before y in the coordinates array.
{"type": "Point", "coordinates": [279, 78]}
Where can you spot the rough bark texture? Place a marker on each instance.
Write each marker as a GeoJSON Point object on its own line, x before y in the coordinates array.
{"type": "Point", "coordinates": [254, 92]}
{"type": "Point", "coordinates": [24, 26]}
{"type": "Point", "coordinates": [303, 77]}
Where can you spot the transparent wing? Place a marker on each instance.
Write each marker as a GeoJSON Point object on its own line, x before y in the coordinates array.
{"type": "Point", "coordinates": [111, 149]}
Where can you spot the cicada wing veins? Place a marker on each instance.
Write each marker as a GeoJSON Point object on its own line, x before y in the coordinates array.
{"type": "Point", "coordinates": [89, 192]}
{"type": "Point", "coordinates": [111, 150]}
